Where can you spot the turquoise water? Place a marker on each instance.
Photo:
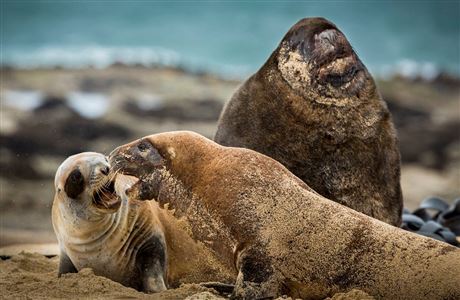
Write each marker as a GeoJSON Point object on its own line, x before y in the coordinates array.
{"type": "Point", "coordinates": [231, 38]}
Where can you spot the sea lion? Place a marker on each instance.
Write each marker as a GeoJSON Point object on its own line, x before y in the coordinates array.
{"type": "Point", "coordinates": [283, 236]}
{"type": "Point", "coordinates": [95, 230]}
{"type": "Point", "coordinates": [131, 242]}
{"type": "Point", "coordinates": [314, 107]}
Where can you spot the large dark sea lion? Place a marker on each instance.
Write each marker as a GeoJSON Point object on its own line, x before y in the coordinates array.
{"type": "Point", "coordinates": [132, 242]}
{"type": "Point", "coordinates": [314, 107]}
{"type": "Point", "coordinates": [283, 237]}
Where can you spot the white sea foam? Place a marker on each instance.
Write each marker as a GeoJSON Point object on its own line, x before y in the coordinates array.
{"type": "Point", "coordinates": [149, 102]}
{"type": "Point", "coordinates": [23, 100]}
{"type": "Point", "coordinates": [102, 57]}
{"type": "Point", "coordinates": [96, 56]}
{"type": "Point", "coordinates": [410, 69]}
{"type": "Point", "coordinates": [88, 105]}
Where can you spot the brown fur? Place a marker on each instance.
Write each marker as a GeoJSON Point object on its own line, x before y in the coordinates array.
{"type": "Point", "coordinates": [288, 239]}
{"type": "Point", "coordinates": [315, 108]}
{"type": "Point", "coordinates": [189, 260]}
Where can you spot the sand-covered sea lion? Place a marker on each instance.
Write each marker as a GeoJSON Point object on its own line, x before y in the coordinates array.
{"type": "Point", "coordinates": [131, 242]}
{"type": "Point", "coordinates": [283, 236]}
{"type": "Point", "coordinates": [314, 107]}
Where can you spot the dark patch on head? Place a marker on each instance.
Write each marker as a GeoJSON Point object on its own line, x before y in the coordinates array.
{"type": "Point", "coordinates": [75, 184]}
{"type": "Point", "coordinates": [303, 33]}
{"type": "Point", "coordinates": [139, 160]}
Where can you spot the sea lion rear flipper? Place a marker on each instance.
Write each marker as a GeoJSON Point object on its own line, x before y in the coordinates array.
{"type": "Point", "coordinates": [65, 264]}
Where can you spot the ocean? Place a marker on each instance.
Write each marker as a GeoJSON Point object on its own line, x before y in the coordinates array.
{"type": "Point", "coordinates": [230, 38]}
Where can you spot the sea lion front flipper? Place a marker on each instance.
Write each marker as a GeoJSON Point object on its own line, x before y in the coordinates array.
{"type": "Point", "coordinates": [256, 278]}
{"type": "Point", "coordinates": [65, 264]}
{"type": "Point", "coordinates": [151, 261]}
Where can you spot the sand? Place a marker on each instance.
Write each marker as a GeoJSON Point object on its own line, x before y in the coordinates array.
{"type": "Point", "coordinates": [34, 276]}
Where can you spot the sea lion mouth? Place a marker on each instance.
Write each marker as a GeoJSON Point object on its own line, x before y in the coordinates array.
{"type": "Point", "coordinates": [105, 196]}
{"type": "Point", "coordinates": [339, 72]}
{"type": "Point", "coordinates": [332, 58]}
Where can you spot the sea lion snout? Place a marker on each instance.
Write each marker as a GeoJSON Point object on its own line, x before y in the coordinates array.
{"type": "Point", "coordinates": [319, 41]}
{"type": "Point", "coordinates": [316, 59]}
{"type": "Point", "coordinates": [139, 159]}
{"type": "Point", "coordinates": [85, 180]}
{"type": "Point", "coordinates": [142, 160]}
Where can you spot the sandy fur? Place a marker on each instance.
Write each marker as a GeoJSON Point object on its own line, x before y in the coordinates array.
{"type": "Point", "coordinates": [312, 247]}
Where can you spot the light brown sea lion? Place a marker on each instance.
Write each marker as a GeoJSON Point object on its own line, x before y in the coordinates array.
{"type": "Point", "coordinates": [131, 242]}
{"type": "Point", "coordinates": [314, 107]}
{"type": "Point", "coordinates": [284, 237]}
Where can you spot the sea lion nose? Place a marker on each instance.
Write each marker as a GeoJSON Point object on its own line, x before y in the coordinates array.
{"type": "Point", "coordinates": [105, 170]}
{"type": "Point", "coordinates": [329, 45]}
{"type": "Point", "coordinates": [319, 41]}
{"type": "Point", "coordinates": [326, 40]}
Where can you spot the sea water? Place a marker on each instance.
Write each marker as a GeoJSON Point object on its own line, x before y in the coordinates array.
{"type": "Point", "coordinates": [416, 38]}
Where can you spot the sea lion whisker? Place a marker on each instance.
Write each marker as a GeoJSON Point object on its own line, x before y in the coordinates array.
{"type": "Point", "coordinates": [96, 181]}
{"type": "Point", "coordinates": [114, 174]}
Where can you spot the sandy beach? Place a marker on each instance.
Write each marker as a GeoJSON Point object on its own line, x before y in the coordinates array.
{"type": "Point", "coordinates": [33, 276]}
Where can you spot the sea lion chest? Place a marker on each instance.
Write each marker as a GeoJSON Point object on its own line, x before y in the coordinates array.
{"type": "Point", "coordinates": [111, 246]}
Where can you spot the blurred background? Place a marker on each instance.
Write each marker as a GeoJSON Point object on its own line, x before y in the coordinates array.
{"type": "Point", "coordinates": [88, 76]}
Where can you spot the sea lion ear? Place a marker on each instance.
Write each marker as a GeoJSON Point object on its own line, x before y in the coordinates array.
{"type": "Point", "coordinates": [75, 184]}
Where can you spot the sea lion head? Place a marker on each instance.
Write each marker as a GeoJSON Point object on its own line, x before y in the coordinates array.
{"type": "Point", "coordinates": [318, 63]}
{"type": "Point", "coordinates": [141, 159]}
{"type": "Point", "coordinates": [152, 158]}
{"type": "Point", "coordinates": [85, 185]}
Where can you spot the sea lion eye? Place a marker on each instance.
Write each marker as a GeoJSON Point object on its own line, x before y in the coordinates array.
{"type": "Point", "coordinates": [142, 146]}
{"type": "Point", "coordinates": [75, 184]}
